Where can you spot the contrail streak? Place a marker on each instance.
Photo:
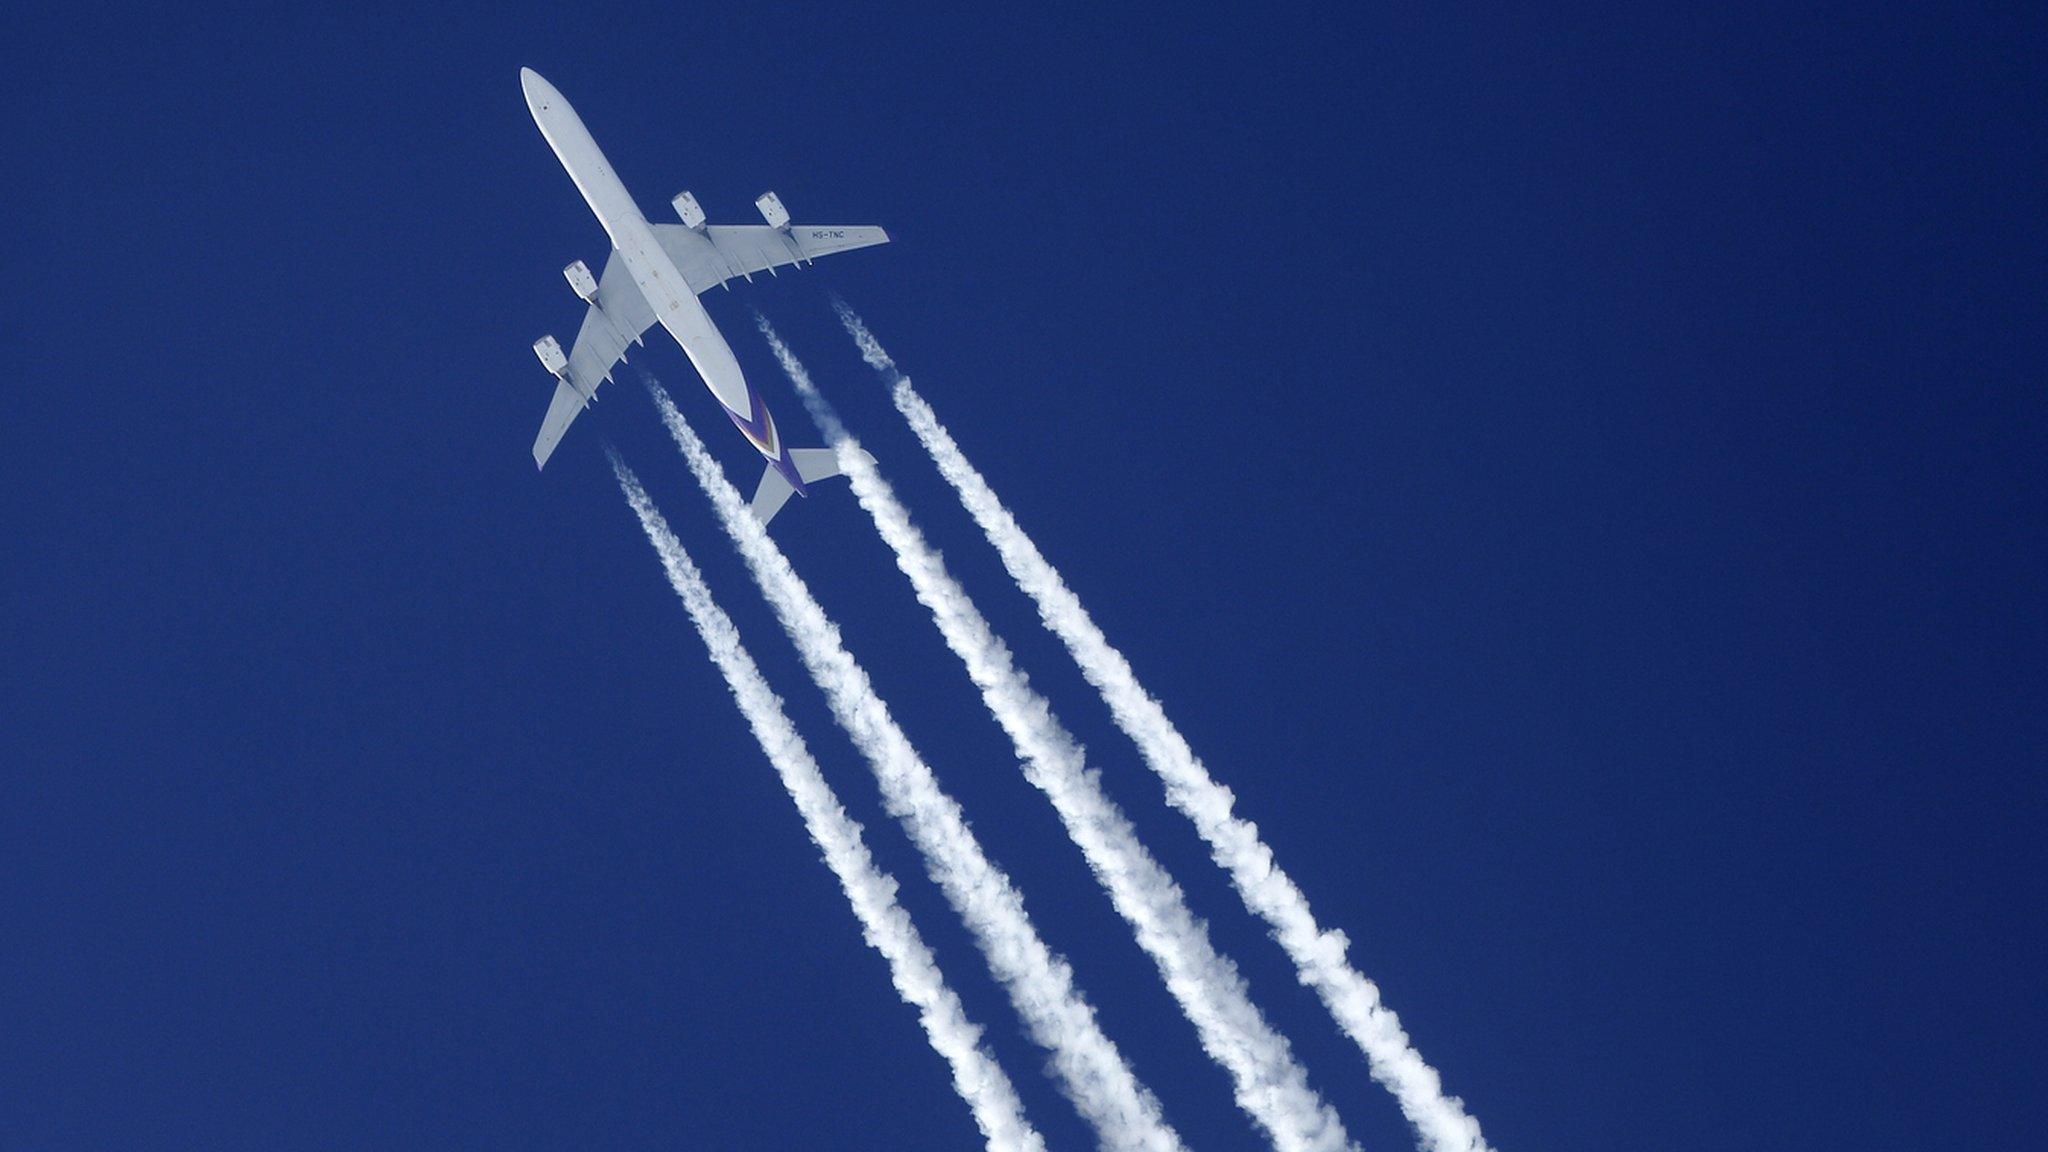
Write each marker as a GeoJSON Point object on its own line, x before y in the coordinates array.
{"type": "Point", "coordinates": [1439, 1120]}
{"type": "Point", "coordinates": [1270, 1086]}
{"type": "Point", "coordinates": [886, 926]}
{"type": "Point", "coordinates": [1085, 1063]}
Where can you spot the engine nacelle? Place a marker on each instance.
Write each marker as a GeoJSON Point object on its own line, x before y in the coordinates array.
{"type": "Point", "coordinates": [686, 207]}
{"type": "Point", "coordinates": [579, 277]}
{"type": "Point", "coordinates": [549, 350]}
{"type": "Point", "coordinates": [772, 211]}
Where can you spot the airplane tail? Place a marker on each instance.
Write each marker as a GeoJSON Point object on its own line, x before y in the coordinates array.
{"type": "Point", "coordinates": [813, 464]}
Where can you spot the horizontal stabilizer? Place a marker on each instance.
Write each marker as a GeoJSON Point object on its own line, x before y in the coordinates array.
{"type": "Point", "coordinates": [815, 464]}
{"type": "Point", "coordinates": [771, 495]}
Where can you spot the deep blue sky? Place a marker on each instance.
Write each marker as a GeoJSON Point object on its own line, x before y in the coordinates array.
{"type": "Point", "coordinates": [1577, 476]}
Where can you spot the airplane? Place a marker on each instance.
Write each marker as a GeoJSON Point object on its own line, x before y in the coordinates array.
{"type": "Point", "coordinates": [653, 276]}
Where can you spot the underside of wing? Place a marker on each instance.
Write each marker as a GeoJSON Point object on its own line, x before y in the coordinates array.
{"type": "Point", "coordinates": [562, 410]}
{"type": "Point", "coordinates": [825, 239]}
{"type": "Point", "coordinates": [617, 318]}
{"type": "Point", "coordinates": [713, 254]}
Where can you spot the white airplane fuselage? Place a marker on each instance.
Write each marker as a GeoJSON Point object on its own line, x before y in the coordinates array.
{"type": "Point", "coordinates": [676, 307]}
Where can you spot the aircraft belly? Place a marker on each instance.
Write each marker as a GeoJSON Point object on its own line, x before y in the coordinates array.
{"type": "Point", "coordinates": [708, 352]}
{"type": "Point", "coordinates": [678, 310]}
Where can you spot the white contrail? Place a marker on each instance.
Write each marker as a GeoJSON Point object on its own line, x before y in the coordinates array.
{"type": "Point", "coordinates": [1318, 954]}
{"type": "Point", "coordinates": [1270, 1086]}
{"type": "Point", "coordinates": [884, 924]}
{"type": "Point", "coordinates": [1086, 1065]}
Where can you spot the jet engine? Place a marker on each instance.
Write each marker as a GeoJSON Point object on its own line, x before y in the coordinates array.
{"type": "Point", "coordinates": [549, 350]}
{"type": "Point", "coordinates": [772, 211]}
{"type": "Point", "coordinates": [579, 277]}
{"type": "Point", "coordinates": [686, 207]}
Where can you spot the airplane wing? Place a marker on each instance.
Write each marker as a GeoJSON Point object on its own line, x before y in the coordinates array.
{"type": "Point", "coordinates": [718, 252]}
{"type": "Point", "coordinates": [615, 322]}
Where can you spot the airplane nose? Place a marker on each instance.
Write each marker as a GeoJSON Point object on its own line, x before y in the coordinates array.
{"type": "Point", "coordinates": [534, 86]}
